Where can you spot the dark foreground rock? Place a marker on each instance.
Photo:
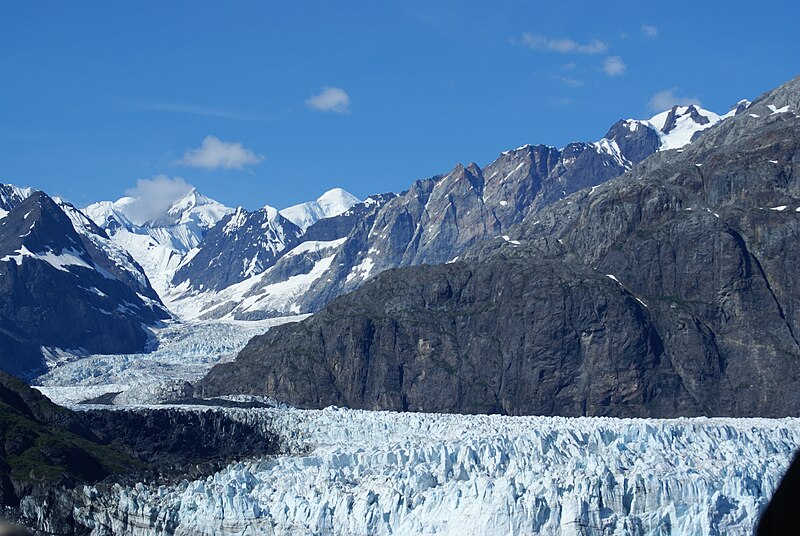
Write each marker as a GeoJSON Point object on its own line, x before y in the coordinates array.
{"type": "Point", "coordinates": [780, 518]}
{"type": "Point", "coordinates": [670, 291]}
{"type": "Point", "coordinates": [47, 452]}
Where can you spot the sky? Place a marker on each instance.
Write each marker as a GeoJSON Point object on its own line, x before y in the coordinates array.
{"type": "Point", "coordinates": [274, 103]}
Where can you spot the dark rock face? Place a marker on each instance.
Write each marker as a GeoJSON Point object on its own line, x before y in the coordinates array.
{"type": "Point", "coordinates": [45, 445]}
{"type": "Point", "coordinates": [69, 301]}
{"type": "Point", "coordinates": [669, 291]}
{"type": "Point", "coordinates": [240, 245]}
{"type": "Point", "coordinates": [181, 443]}
{"type": "Point", "coordinates": [636, 139]}
{"type": "Point", "coordinates": [509, 336]}
{"type": "Point", "coordinates": [438, 219]}
{"type": "Point", "coordinates": [47, 451]}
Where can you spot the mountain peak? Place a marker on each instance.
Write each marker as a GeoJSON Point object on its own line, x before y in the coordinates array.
{"type": "Point", "coordinates": [332, 203]}
{"type": "Point", "coordinates": [195, 207]}
{"type": "Point", "coordinates": [11, 196]}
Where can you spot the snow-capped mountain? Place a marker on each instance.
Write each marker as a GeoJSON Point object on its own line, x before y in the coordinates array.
{"type": "Point", "coordinates": [672, 129]}
{"type": "Point", "coordinates": [331, 203]}
{"type": "Point", "coordinates": [114, 258]}
{"type": "Point", "coordinates": [280, 283]}
{"type": "Point", "coordinates": [432, 223]}
{"type": "Point", "coordinates": [159, 244]}
{"type": "Point", "coordinates": [681, 273]}
{"type": "Point", "coordinates": [64, 288]}
{"type": "Point", "coordinates": [11, 196]}
{"type": "Point", "coordinates": [241, 245]}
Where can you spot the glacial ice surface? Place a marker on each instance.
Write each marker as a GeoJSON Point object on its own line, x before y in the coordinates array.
{"type": "Point", "coordinates": [360, 472]}
{"type": "Point", "coordinates": [185, 352]}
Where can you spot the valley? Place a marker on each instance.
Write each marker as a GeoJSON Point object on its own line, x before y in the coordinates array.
{"type": "Point", "coordinates": [588, 340]}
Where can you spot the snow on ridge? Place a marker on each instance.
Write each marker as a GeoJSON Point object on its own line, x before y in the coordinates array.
{"type": "Point", "coordinates": [332, 203]}
{"type": "Point", "coordinates": [159, 245]}
{"type": "Point", "coordinates": [60, 261]}
{"type": "Point", "coordinates": [362, 472]}
{"type": "Point", "coordinates": [610, 147]}
{"type": "Point", "coordinates": [253, 294]}
{"type": "Point", "coordinates": [685, 125]}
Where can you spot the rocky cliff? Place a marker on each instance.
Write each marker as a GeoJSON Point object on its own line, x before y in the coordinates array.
{"type": "Point", "coordinates": [48, 452]}
{"type": "Point", "coordinates": [671, 290]}
{"type": "Point", "coordinates": [61, 290]}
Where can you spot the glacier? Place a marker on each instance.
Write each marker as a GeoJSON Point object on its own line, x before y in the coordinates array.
{"type": "Point", "coordinates": [356, 472]}
{"type": "Point", "coordinates": [350, 472]}
{"type": "Point", "coordinates": [185, 351]}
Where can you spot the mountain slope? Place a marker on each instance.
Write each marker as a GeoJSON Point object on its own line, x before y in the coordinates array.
{"type": "Point", "coordinates": [241, 245]}
{"type": "Point", "coordinates": [159, 244]}
{"type": "Point", "coordinates": [57, 294]}
{"type": "Point", "coordinates": [436, 220]}
{"type": "Point", "coordinates": [286, 267]}
{"type": "Point", "coordinates": [110, 256]}
{"type": "Point", "coordinates": [668, 291]}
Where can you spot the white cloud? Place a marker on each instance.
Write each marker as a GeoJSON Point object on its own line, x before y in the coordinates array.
{"type": "Point", "coordinates": [649, 31]}
{"type": "Point", "coordinates": [667, 98]}
{"type": "Point", "coordinates": [214, 153]}
{"type": "Point", "coordinates": [568, 81]}
{"type": "Point", "coordinates": [176, 107]}
{"type": "Point", "coordinates": [562, 45]}
{"type": "Point", "coordinates": [154, 196]}
{"type": "Point", "coordinates": [614, 66]}
{"type": "Point", "coordinates": [331, 99]}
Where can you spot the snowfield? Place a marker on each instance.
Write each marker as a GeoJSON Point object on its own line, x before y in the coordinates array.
{"type": "Point", "coordinates": [360, 472]}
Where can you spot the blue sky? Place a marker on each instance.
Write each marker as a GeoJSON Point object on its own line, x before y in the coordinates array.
{"type": "Point", "coordinates": [266, 102]}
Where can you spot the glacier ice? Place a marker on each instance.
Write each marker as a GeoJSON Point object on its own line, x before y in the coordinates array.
{"type": "Point", "coordinates": [360, 472]}
{"type": "Point", "coordinates": [186, 351]}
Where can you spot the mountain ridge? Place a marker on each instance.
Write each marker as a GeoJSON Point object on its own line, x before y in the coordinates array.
{"type": "Point", "coordinates": [667, 291]}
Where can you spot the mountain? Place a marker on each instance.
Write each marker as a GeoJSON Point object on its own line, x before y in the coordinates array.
{"type": "Point", "coordinates": [64, 290]}
{"type": "Point", "coordinates": [160, 243]}
{"type": "Point", "coordinates": [241, 245]}
{"type": "Point", "coordinates": [45, 445]}
{"type": "Point", "coordinates": [669, 291]}
{"type": "Point", "coordinates": [439, 218]}
{"type": "Point", "coordinates": [270, 272]}
{"type": "Point", "coordinates": [47, 453]}
{"type": "Point", "coordinates": [11, 196]}
{"type": "Point", "coordinates": [331, 203]}
{"type": "Point", "coordinates": [112, 257]}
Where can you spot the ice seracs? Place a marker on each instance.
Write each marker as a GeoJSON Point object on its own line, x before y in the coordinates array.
{"type": "Point", "coordinates": [361, 472]}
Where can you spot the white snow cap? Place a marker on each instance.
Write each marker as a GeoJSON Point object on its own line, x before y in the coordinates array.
{"type": "Point", "coordinates": [331, 203]}
{"type": "Point", "coordinates": [685, 126]}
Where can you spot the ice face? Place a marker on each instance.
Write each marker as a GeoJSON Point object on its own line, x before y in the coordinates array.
{"type": "Point", "coordinates": [360, 472]}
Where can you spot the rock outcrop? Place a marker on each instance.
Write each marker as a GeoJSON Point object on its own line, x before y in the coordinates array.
{"type": "Point", "coordinates": [669, 291]}
{"type": "Point", "coordinates": [59, 291]}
